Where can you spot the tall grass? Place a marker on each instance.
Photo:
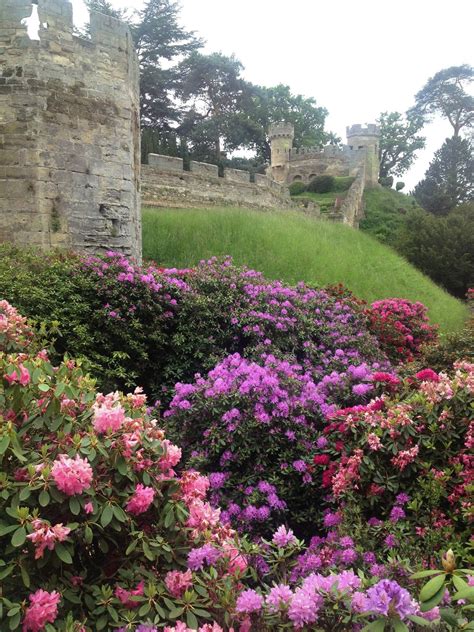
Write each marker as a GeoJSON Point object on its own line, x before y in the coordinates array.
{"type": "Point", "coordinates": [290, 246]}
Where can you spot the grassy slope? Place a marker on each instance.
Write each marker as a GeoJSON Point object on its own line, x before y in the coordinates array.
{"type": "Point", "coordinates": [290, 246]}
{"type": "Point", "coordinates": [384, 210]}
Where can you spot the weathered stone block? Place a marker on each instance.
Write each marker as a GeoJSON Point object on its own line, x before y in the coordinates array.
{"type": "Point", "coordinates": [236, 175]}
{"type": "Point", "coordinates": [204, 169]}
{"type": "Point", "coordinates": [167, 163]}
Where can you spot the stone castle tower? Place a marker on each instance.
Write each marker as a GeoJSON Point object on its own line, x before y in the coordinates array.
{"type": "Point", "coordinates": [366, 139]}
{"type": "Point", "coordinates": [281, 140]}
{"type": "Point", "coordinates": [289, 165]}
{"type": "Point", "coordinates": [69, 130]}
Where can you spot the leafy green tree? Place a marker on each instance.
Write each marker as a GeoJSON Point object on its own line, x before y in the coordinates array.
{"type": "Point", "coordinates": [449, 180]}
{"type": "Point", "coordinates": [442, 247]}
{"type": "Point", "coordinates": [399, 142]}
{"type": "Point", "coordinates": [214, 95]}
{"type": "Point", "coordinates": [446, 94]}
{"type": "Point", "coordinates": [276, 104]}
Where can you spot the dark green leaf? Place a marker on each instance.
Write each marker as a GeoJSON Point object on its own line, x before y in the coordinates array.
{"type": "Point", "coordinates": [107, 515]}
{"type": "Point", "coordinates": [63, 553]}
{"type": "Point", "coordinates": [44, 498]}
{"type": "Point", "coordinates": [19, 537]}
{"type": "Point", "coordinates": [432, 587]}
{"type": "Point", "coordinates": [191, 620]}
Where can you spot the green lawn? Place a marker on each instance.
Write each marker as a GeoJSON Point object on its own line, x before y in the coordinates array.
{"type": "Point", "coordinates": [290, 246]}
{"type": "Point", "coordinates": [384, 212]}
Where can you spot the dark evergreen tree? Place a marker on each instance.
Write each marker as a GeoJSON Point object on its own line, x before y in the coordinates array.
{"type": "Point", "coordinates": [441, 247]}
{"type": "Point", "coordinates": [449, 180]}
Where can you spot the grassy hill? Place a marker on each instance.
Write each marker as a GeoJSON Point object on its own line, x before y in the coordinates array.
{"type": "Point", "coordinates": [290, 246]}
{"type": "Point", "coordinates": [384, 211]}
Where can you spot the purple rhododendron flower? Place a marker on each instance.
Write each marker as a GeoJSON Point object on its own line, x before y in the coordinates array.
{"type": "Point", "coordinates": [388, 598]}
{"type": "Point", "coordinates": [249, 601]}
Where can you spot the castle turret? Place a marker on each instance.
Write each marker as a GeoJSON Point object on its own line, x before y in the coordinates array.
{"type": "Point", "coordinates": [366, 138]}
{"type": "Point", "coordinates": [69, 130]}
{"type": "Point", "coordinates": [281, 140]}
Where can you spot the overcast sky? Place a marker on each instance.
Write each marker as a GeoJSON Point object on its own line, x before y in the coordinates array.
{"type": "Point", "coordinates": [356, 58]}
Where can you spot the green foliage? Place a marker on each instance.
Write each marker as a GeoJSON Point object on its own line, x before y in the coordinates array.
{"type": "Point", "coordinates": [442, 247]}
{"type": "Point", "coordinates": [449, 180]}
{"type": "Point", "coordinates": [321, 184]}
{"type": "Point", "coordinates": [278, 103]}
{"type": "Point", "coordinates": [214, 94]}
{"type": "Point", "coordinates": [160, 41]}
{"type": "Point", "coordinates": [446, 93]}
{"type": "Point", "coordinates": [296, 188]}
{"type": "Point", "coordinates": [386, 181]}
{"type": "Point", "coordinates": [342, 183]}
{"type": "Point", "coordinates": [399, 186]}
{"type": "Point", "coordinates": [399, 142]}
{"type": "Point", "coordinates": [449, 348]}
{"type": "Point", "coordinates": [384, 213]}
{"type": "Point", "coordinates": [293, 247]}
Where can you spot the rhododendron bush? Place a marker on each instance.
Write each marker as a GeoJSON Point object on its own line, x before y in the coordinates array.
{"type": "Point", "coordinates": [252, 426]}
{"type": "Point", "coordinates": [406, 458]}
{"type": "Point", "coordinates": [150, 327]}
{"type": "Point", "coordinates": [103, 528]}
{"type": "Point", "coordinates": [95, 524]}
{"type": "Point", "coordinates": [401, 327]}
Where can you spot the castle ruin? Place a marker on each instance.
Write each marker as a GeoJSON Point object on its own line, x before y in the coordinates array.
{"type": "Point", "coordinates": [291, 165]}
{"type": "Point", "coordinates": [69, 130]}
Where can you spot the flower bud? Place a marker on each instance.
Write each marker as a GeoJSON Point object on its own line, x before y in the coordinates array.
{"type": "Point", "coordinates": [449, 561]}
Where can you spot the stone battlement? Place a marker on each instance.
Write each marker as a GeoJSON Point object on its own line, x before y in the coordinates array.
{"type": "Point", "coordinates": [281, 130]}
{"type": "Point", "coordinates": [363, 130]}
{"type": "Point", "coordinates": [69, 130]}
{"type": "Point", "coordinates": [166, 183]}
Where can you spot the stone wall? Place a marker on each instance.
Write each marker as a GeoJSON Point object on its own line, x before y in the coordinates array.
{"type": "Point", "coordinates": [69, 131]}
{"type": "Point", "coordinates": [165, 186]}
{"type": "Point", "coordinates": [352, 209]}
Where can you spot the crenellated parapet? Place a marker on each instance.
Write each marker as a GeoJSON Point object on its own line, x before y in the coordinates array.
{"type": "Point", "coordinates": [69, 130]}
{"type": "Point", "coordinates": [165, 182]}
{"type": "Point", "coordinates": [363, 130]}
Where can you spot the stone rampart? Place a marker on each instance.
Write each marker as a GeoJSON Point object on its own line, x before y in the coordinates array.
{"type": "Point", "coordinates": [236, 175]}
{"type": "Point", "coordinates": [69, 131]}
{"type": "Point", "coordinates": [204, 169]}
{"type": "Point", "coordinates": [352, 209]}
{"type": "Point", "coordinates": [167, 187]}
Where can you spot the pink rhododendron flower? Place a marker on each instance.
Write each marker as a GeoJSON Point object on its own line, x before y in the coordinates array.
{"type": "Point", "coordinates": [72, 476]}
{"type": "Point", "coordinates": [178, 582]}
{"type": "Point", "coordinates": [141, 500]}
{"type": "Point", "coordinates": [374, 442]}
{"type": "Point", "coordinates": [89, 508]}
{"type": "Point", "coordinates": [45, 537]}
{"type": "Point", "coordinates": [427, 375]}
{"type": "Point", "coordinates": [237, 561]}
{"type": "Point", "coordinates": [171, 457]}
{"type": "Point", "coordinates": [193, 486]}
{"type": "Point", "coordinates": [125, 596]}
{"type": "Point", "coordinates": [20, 375]}
{"type": "Point", "coordinates": [405, 457]}
{"type": "Point", "coordinates": [109, 415]}
{"type": "Point", "coordinates": [43, 609]}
